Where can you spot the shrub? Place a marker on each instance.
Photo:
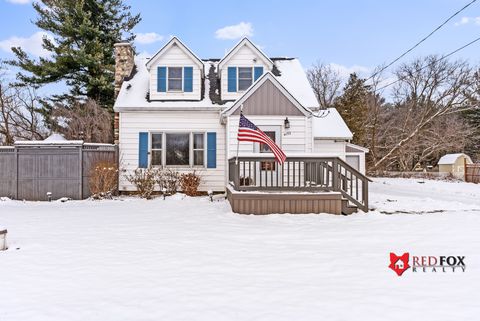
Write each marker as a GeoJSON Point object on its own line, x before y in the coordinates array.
{"type": "Point", "coordinates": [144, 180]}
{"type": "Point", "coordinates": [189, 183]}
{"type": "Point", "coordinates": [103, 179]}
{"type": "Point", "coordinates": [169, 180]}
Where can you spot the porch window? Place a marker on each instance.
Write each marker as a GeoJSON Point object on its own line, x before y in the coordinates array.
{"type": "Point", "coordinates": [245, 78]}
{"type": "Point", "coordinates": [157, 143]}
{"type": "Point", "coordinates": [175, 78]}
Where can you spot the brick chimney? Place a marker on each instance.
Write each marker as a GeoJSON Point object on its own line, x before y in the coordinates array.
{"type": "Point", "coordinates": [124, 63]}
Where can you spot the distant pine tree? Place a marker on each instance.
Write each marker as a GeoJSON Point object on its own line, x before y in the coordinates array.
{"type": "Point", "coordinates": [81, 52]}
{"type": "Point", "coordinates": [353, 106]}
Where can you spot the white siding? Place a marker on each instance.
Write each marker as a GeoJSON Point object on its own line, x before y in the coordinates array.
{"type": "Point", "coordinates": [296, 142]}
{"type": "Point", "coordinates": [242, 58]}
{"type": "Point", "coordinates": [330, 147]}
{"type": "Point", "coordinates": [175, 57]}
{"type": "Point", "coordinates": [132, 123]}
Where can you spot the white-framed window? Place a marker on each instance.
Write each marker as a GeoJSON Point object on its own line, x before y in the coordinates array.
{"type": "Point", "coordinates": [175, 78]}
{"type": "Point", "coordinates": [245, 78]}
{"type": "Point", "coordinates": [198, 149]}
{"type": "Point", "coordinates": [156, 152]}
{"type": "Point", "coordinates": [177, 149]}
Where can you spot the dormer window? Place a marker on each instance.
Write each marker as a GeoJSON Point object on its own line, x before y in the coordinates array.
{"type": "Point", "coordinates": [241, 78]}
{"type": "Point", "coordinates": [175, 79]}
{"type": "Point", "coordinates": [245, 78]}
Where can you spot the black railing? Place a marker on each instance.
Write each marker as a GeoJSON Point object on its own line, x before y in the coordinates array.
{"type": "Point", "coordinates": [309, 174]}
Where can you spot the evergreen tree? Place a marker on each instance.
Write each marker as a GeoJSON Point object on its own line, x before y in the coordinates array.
{"type": "Point", "coordinates": [353, 106]}
{"type": "Point", "coordinates": [81, 52]}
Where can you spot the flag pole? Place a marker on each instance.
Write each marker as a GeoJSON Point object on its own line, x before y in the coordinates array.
{"type": "Point", "coordinates": [238, 142]}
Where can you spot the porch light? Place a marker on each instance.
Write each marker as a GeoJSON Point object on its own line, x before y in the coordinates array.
{"type": "Point", "coordinates": [286, 123]}
{"type": "Point", "coordinates": [3, 240]}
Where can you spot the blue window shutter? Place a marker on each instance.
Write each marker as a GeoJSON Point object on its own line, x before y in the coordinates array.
{"type": "Point", "coordinates": [188, 79]}
{"type": "Point", "coordinates": [257, 72]}
{"type": "Point", "coordinates": [211, 150]}
{"type": "Point", "coordinates": [232, 79]}
{"type": "Point", "coordinates": [143, 150]}
{"type": "Point", "coordinates": [162, 79]}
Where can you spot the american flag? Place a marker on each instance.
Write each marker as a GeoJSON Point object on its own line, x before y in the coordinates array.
{"type": "Point", "coordinates": [248, 132]}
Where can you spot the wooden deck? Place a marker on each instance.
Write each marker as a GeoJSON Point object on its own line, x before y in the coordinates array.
{"type": "Point", "coordinates": [259, 185]}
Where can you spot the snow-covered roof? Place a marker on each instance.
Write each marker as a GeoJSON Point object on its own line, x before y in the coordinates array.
{"type": "Point", "coordinates": [175, 42]}
{"type": "Point", "coordinates": [134, 91]}
{"type": "Point", "coordinates": [329, 124]}
{"type": "Point", "coordinates": [449, 159]}
{"type": "Point", "coordinates": [53, 139]}
{"type": "Point", "coordinates": [293, 77]}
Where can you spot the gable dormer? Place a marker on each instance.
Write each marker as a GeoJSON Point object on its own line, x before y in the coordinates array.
{"type": "Point", "coordinates": [240, 68]}
{"type": "Point", "coordinates": [176, 73]}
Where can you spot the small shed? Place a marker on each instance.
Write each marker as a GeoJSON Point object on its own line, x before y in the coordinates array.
{"type": "Point", "coordinates": [454, 163]}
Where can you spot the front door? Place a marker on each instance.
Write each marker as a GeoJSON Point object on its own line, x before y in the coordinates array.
{"type": "Point", "coordinates": [268, 172]}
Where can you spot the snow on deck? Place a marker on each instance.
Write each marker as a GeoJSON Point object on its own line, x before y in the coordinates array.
{"type": "Point", "coordinates": [189, 259]}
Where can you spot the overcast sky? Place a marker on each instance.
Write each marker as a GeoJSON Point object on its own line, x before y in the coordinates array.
{"type": "Point", "coordinates": [351, 35]}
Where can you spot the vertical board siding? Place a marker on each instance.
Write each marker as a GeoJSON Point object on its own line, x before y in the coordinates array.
{"type": "Point", "coordinates": [132, 123]}
{"type": "Point", "coordinates": [46, 169]}
{"type": "Point", "coordinates": [175, 57]}
{"type": "Point", "coordinates": [269, 100]}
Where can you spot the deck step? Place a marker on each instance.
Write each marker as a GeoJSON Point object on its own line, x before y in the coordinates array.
{"type": "Point", "coordinates": [348, 208]}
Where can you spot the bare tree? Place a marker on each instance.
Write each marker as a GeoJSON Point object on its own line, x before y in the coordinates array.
{"type": "Point", "coordinates": [19, 114]}
{"type": "Point", "coordinates": [325, 82]}
{"type": "Point", "coordinates": [83, 120]}
{"type": "Point", "coordinates": [428, 89]}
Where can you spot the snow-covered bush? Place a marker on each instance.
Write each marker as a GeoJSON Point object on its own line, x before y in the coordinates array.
{"type": "Point", "coordinates": [144, 180]}
{"type": "Point", "coordinates": [103, 179]}
{"type": "Point", "coordinates": [168, 180]}
{"type": "Point", "coordinates": [189, 183]}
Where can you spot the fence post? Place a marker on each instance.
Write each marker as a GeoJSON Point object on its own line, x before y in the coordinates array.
{"type": "Point", "coordinates": [465, 176]}
{"type": "Point", "coordinates": [15, 162]}
{"type": "Point", "coordinates": [80, 155]}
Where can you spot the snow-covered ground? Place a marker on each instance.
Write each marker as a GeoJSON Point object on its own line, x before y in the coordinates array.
{"type": "Point", "coordinates": [189, 259]}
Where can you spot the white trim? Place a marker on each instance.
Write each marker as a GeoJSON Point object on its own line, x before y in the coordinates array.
{"type": "Point", "coordinates": [266, 76]}
{"type": "Point", "coordinates": [245, 42]}
{"type": "Point", "coordinates": [361, 148]}
{"type": "Point", "coordinates": [181, 45]}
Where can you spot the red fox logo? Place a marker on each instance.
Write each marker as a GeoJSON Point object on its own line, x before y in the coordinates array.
{"type": "Point", "coordinates": [399, 263]}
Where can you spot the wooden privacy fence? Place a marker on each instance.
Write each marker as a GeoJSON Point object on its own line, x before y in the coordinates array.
{"type": "Point", "coordinates": [472, 173]}
{"type": "Point", "coordinates": [29, 172]}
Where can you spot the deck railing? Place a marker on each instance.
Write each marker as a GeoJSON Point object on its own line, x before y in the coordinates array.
{"type": "Point", "coordinates": [305, 173]}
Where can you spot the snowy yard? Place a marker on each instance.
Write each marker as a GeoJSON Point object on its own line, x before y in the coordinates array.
{"type": "Point", "coordinates": [189, 259]}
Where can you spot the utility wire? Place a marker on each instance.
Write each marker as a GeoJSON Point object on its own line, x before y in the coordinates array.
{"type": "Point", "coordinates": [433, 62]}
{"type": "Point", "coordinates": [421, 41]}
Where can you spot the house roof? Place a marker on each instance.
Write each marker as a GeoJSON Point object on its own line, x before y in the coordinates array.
{"type": "Point", "coordinates": [134, 91]}
{"type": "Point", "coordinates": [268, 76]}
{"type": "Point", "coordinates": [449, 159]}
{"type": "Point", "coordinates": [174, 41]}
{"type": "Point", "coordinates": [245, 42]}
{"type": "Point", "coordinates": [330, 125]}
{"type": "Point", "coordinates": [53, 139]}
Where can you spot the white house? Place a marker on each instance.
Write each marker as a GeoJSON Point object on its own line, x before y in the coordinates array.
{"type": "Point", "coordinates": [177, 110]}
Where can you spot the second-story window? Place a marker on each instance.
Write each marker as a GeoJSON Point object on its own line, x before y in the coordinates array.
{"type": "Point", "coordinates": [174, 78]}
{"type": "Point", "coordinates": [245, 78]}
